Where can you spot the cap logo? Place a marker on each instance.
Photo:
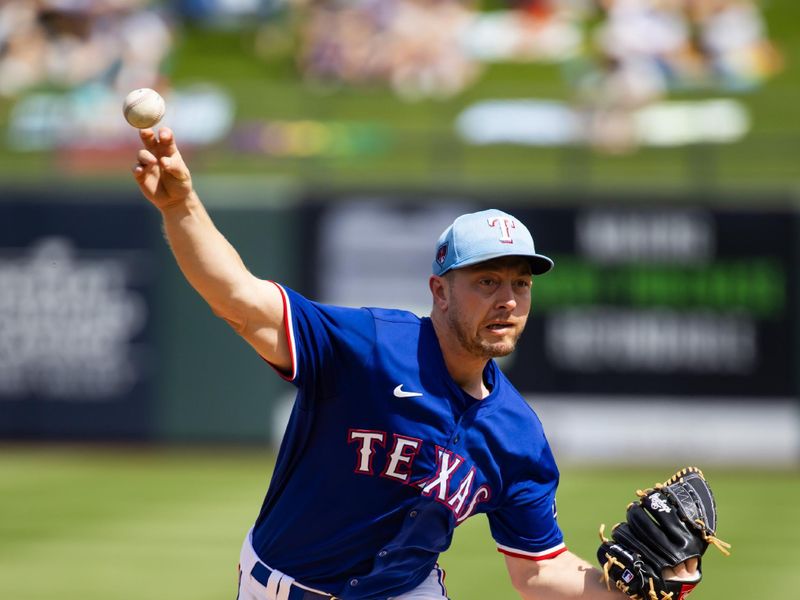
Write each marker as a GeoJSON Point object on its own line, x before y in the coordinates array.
{"type": "Point", "coordinates": [505, 225]}
{"type": "Point", "coordinates": [441, 253]}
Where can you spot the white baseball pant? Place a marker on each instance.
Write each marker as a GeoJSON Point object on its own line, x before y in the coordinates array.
{"type": "Point", "coordinates": [280, 586]}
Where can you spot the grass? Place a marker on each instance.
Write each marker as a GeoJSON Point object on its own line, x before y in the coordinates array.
{"type": "Point", "coordinates": [93, 523]}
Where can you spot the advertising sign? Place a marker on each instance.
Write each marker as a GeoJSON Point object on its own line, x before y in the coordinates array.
{"type": "Point", "coordinates": [662, 300]}
{"type": "Point", "coordinates": [76, 284]}
{"type": "Point", "coordinates": [667, 299]}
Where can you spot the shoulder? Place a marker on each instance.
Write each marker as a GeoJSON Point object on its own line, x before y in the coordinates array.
{"type": "Point", "coordinates": [298, 304]}
{"type": "Point", "coordinates": [396, 331]}
{"type": "Point", "coordinates": [373, 324]}
{"type": "Point", "coordinates": [394, 316]}
{"type": "Point", "coordinates": [298, 301]}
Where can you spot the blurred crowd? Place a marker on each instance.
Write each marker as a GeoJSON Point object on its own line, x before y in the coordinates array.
{"type": "Point", "coordinates": [619, 56]}
{"type": "Point", "coordinates": [619, 52]}
{"type": "Point", "coordinates": [120, 44]}
{"type": "Point", "coordinates": [428, 48]}
{"type": "Point", "coordinates": [413, 45]}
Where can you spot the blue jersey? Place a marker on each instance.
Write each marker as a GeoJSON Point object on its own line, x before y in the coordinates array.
{"type": "Point", "coordinates": [385, 455]}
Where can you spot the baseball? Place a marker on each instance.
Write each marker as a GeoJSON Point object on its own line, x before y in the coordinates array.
{"type": "Point", "coordinates": [143, 108]}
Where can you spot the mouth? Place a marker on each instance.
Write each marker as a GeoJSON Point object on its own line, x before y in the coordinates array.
{"type": "Point", "coordinates": [500, 327]}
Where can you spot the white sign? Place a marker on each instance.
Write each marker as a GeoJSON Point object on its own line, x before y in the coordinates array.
{"type": "Point", "coordinates": [67, 320]}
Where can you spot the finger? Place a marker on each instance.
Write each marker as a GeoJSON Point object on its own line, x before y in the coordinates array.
{"type": "Point", "coordinates": [142, 168]}
{"type": "Point", "coordinates": [148, 178]}
{"type": "Point", "coordinates": [166, 142]}
{"type": "Point", "coordinates": [175, 166]}
{"type": "Point", "coordinates": [146, 158]}
{"type": "Point", "coordinates": [681, 572]}
{"type": "Point", "coordinates": [692, 565]}
{"type": "Point", "coordinates": [148, 137]}
{"type": "Point", "coordinates": [685, 571]}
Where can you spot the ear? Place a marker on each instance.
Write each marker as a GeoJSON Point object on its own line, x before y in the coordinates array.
{"type": "Point", "coordinates": [440, 292]}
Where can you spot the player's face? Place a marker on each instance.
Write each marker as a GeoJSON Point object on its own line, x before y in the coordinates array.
{"type": "Point", "coordinates": [488, 305]}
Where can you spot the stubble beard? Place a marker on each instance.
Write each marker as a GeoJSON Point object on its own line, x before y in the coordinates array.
{"type": "Point", "coordinates": [476, 345]}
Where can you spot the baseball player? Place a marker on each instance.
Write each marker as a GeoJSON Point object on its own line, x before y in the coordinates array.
{"type": "Point", "coordinates": [403, 427]}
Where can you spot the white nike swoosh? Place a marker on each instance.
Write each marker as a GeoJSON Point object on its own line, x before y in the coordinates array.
{"type": "Point", "coordinates": [399, 393]}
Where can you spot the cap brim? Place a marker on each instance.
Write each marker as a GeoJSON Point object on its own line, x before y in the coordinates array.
{"type": "Point", "coordinates": [540, 264]}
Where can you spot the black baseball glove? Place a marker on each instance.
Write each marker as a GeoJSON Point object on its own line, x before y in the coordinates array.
{"type": "Point", "coordinates": [672, 522]}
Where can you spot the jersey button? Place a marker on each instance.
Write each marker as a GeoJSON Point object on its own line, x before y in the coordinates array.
{"type": "Point", "coordinates": [456, 439]}
{"type": "Point", "coordinates": [353, 582]}
{"type": "Point", "coordinates": [382, 553]}
{"type": "Point", "coordinates": [412, 514]}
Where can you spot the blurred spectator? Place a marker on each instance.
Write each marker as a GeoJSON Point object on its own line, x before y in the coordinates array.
{"type": "Point", "coordinates": [535, 31]}
{"type": "Point", "coordinates": [733, 36]}
{"type": "Point", "coordinates": [646, 49]}
{"type": "Point", "coordinates": [228, 13]}
{"type": "Point", "coordinates": [118, 43]}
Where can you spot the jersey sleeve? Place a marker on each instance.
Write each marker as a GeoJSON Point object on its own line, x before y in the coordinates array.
{"type": "Point", "coordinates": [325, 341]}
{"type": "Point", "coordinates": [525, 524]}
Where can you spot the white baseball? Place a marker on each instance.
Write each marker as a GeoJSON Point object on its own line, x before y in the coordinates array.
{"type": "Point", "coordinates": [143, 108]}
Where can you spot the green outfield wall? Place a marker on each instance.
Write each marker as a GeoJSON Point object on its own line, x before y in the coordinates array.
{"type": "Point", "coordinates": [212, 384]}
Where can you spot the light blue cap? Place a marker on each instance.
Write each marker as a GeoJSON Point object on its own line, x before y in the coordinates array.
{"type": "Point", "coordinates": [481, 236]}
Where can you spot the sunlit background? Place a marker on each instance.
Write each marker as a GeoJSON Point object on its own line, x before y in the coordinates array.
{"type": "Point", "coordinates": [652, 146]}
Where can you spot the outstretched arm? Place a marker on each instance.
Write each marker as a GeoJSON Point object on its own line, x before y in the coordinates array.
{"type": "Point", "coordinates": [559, 578]}
{"type": "Point", "coordinates": [253, 307]}
{"type": "Point", "coordinates": [568, 576]}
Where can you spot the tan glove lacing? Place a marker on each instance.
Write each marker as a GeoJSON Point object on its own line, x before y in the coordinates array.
{"type": "Point", "coordinates": [612, 561]}
{"type": "Point", "coordinates": [723, 547]}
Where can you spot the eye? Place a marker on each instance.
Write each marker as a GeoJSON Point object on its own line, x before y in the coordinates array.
{"type": "Point", "coordinates": [488, 283]}
{"type": "Point", "coordinates": [523, 283]}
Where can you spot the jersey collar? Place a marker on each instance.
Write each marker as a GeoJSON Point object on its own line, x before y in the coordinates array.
{"type": "Point", "coordinates": [461, 400]}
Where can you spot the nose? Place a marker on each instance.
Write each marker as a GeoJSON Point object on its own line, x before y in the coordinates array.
{"type": "Point", "coordinates": [505, 297]}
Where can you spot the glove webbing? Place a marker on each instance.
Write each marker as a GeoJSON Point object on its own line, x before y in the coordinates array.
{"type": "Point", "coordinates": [709, 538]}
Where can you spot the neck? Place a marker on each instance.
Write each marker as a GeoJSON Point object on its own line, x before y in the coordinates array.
{"type": "Point", "coordinates": [465, 368]}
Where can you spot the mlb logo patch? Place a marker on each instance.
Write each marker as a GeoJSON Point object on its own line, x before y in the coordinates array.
{"type": "Point", "coordinates": [441, 253]}
{"type": "Point", "coordinates": [627, 576]}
